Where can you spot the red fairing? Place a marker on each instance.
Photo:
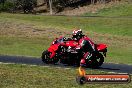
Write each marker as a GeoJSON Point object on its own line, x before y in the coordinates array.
{"type": "Point", "coordinates": [71, 43]}
{"type": "Point", "coordinates": [52, 49]}
{"type": "Point", "coordinates": [101, 47]}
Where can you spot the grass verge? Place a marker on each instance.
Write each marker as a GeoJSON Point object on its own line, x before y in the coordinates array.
{"type": "Point", "coordinates": [17, 76]}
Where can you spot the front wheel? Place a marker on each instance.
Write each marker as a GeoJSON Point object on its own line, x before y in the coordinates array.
{"type": "Point", "coordinates": [46, 58]}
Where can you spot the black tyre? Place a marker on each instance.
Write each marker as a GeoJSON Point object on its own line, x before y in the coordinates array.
{"type": "Point", "coordinates": [46, 58]}
{"type": "Point", "coordinates": [98, 61]}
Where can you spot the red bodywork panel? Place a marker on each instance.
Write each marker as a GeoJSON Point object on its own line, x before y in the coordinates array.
{"type": "Point", "coordinates": [52, 49]}
{"type": "Point", "coordinates": [101, 47]}
{"type": "Point", "coordinates": [71, 44]}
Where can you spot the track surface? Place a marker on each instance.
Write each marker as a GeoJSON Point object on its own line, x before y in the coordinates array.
{"type": "Point", "coordinates": [110, 67]}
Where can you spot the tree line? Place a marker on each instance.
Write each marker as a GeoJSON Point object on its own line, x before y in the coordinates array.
{"type": "Point", "coordinates": [27, 6]}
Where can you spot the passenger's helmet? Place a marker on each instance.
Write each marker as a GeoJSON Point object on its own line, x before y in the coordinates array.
{"type": "Point", "coordinates": [77, 34]}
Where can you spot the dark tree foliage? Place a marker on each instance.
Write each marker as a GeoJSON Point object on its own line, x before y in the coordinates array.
{"type": "Point", "coordinates": [25, 5]}
{"type": "Point", "coordinates": [59, 5]}
{"type": "Point", "coordinates": [2, 1]}
{"type": "Point", "coordinates": [17, 5]}
{"type": "Point", "coordinates": [5, 5]}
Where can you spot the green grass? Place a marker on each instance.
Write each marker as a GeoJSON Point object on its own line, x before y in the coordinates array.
{"type": "Point", "coordinates": [116, 26]}
{"type": "Point", "coordinates": [116, 10]}
{"type": "Point", "coordinates": [115, 32]}
{"type": "Point", "coordinates": [24, 76]}
{"type": "Point", "coordinates": [22, 46]}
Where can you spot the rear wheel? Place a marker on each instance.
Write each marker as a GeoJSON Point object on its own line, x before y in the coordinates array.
{"type": "Point", "coordinates": [46, 58]}
{"type": "Point", "coordinates": [95, 61]}
{"type": "Point", "coordinates": [98, 61]}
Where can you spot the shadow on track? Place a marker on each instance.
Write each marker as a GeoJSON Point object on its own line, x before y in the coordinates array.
{"type": "Point", "coordinates": [110, 67]}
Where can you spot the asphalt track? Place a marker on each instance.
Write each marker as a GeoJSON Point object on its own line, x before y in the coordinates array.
{"type": "Point", "coordinates": [110, 67]}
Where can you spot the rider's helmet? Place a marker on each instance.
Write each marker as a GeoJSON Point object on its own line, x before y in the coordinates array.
{"type": "Point", "coordinates": [77, 34]}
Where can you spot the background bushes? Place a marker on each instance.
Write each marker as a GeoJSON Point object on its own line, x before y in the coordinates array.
{"type": "Point", "coordinates": [6, 5]}
{"type": "Point", "coordinates": [25, 6]}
